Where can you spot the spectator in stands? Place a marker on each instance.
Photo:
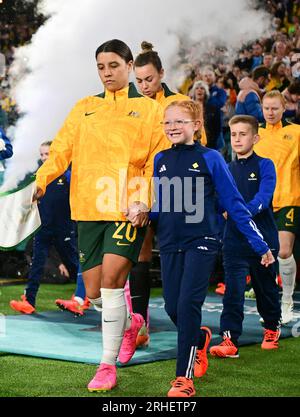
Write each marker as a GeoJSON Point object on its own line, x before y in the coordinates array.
{"type": "Point", "coordinates": [267, 60]}
{"type": "Point", "coordinates": [249, 98]}
{"type": "Point", "coordinates": [244, 62]}
{"type": "Point", "coordinates": [291, 96]}
{"type": "Point", "coordinates": [239, 257]}
{"type": "Point", "coordinates": [217, 98]}
{"type": "Point", "coordinates": [211, 113]}
{"type": "Point", "coordinates": [278, 79]}
{"type": "Point", "coordinates": [295, 65]}
{"type": "Point", "coordinates": [58, 229]}
{"type": "Point", "coordinates": [113, 134]}
{"type": "Point", "coordinates": [228, 111]}
{"type": "Point", "coordinates": [257, 55]}
{"type": "Point", "coordinates": [281, 53]}
{"type": "Point", "coordinates": [280, 142]}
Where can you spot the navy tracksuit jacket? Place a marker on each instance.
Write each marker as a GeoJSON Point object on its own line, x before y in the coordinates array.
{"type": "Point", "coordinates": [188, 236]}
{"type": "Point", "coordinates": [256, 180]}
{"type": "Point", "coordinates": [57, 229]}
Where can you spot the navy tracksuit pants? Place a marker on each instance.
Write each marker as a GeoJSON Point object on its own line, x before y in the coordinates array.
{"type": "Point", "coordinates": [266, 290]}
{"type": "Point", "coordinates": [66, 246]}
{"type": "Point", "coordinates": [185, 278]}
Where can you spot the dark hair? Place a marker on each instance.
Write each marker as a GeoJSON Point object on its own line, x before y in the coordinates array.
{"type": "Point", "coordinates": [274, 68]}
{"type": "Point", "coordinates": [46, 143]}
{"type": "Point", "coordinates": [242, 118]}
{"type": "Point", "coordinates": [294, 87]}
{"type": "Point", "coordinates": [148, 56]}
{"type": "Point", "coordinates": [260, 71]}
{"type": "Point", "coordinates": [118, 47]}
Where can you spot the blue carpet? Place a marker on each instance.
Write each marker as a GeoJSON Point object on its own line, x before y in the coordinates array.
{"type": "Point", "coordinates": [59, 335]}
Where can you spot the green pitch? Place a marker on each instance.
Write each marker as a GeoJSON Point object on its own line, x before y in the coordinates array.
{"type": "Point", "coordinates": [256, 373]}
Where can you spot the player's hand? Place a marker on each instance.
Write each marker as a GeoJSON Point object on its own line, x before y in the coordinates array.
{"type": "Point", "coordinates": [38, 194]}
{"type": "Point", "coordinates": [140, 220]}
{"type": "Point", "coordinates": [137, 214]}
{"type": "Point", "coordinates": [267, 259]}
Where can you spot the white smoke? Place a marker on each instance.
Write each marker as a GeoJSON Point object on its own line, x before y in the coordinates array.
{"type": "Point", "coordinates": [58, 66]}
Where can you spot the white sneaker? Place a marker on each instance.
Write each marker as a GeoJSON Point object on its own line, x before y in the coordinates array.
{"type": "Point", "coordinates": [286, 312]}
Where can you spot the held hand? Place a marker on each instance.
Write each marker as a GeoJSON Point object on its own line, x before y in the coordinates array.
{"type": "Point", "coordinates": [267, 259]}
{"type": "Point", "coordinates": [137, 214]}
{"type": "Point", "coordinates": [38, 194]}
{"type": "Point", "coordinates": [140, 220]}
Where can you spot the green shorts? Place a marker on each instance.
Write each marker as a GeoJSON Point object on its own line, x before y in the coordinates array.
{"type": "Point", "coordinates": [95, 238]}
{"type": "Point", "coordinates": [288, 219]}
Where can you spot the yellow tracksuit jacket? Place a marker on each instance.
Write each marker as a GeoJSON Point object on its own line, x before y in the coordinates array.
{"type": "Point", "coordinates": [281, 143]}
{"type": "Point", "coordinates": [111, 140]}
{"type": "Point", "coordinates": [166, 96]}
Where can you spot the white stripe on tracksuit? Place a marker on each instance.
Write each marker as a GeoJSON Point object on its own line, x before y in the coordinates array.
{"type": "Point", "coordinates": [190, 368]}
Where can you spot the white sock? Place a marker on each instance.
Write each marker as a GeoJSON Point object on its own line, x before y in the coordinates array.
{"type": "Point", "coordinates": [287, 270]}
{"type": "Point", "coordinates": [114, 316]}
{"type": "Point", "coordinates": [97, 303]}
{"type": "Point", "coordinates": [79, 300]}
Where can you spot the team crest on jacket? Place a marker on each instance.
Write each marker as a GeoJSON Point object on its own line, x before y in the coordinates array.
{"type": "Point", "coordinates": [81, 257]}
{"type": "Point", "coordinates": [195, 166]}
{"type": "Point", "coordinates": [252, 177]}
{"type": "Point", "coordinates": [287, 137]}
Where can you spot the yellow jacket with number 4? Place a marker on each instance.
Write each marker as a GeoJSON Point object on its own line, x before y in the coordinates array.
{"type": "Point", "coordinates": [281, 143]}
{"type": "Point", "coordinates": [166, 96]}
{"type": "Point", "coordinates": [111, 140]}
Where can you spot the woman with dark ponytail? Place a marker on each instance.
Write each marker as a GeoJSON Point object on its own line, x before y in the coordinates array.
{"type": "Point", "coordinates": [149, 73]}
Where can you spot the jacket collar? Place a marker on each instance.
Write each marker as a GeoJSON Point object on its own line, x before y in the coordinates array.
{"type": "Point", "coordinates": [245, 160]}
{"type": "Point", "coordinates": [274, 127]}
{"type": "Point", "coordinates": [129, 91]}
{"type": "Point", "coordinates": [182, 146]}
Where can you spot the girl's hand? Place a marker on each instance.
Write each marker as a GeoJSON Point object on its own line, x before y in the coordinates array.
{"type": "Point", "coordinates": [267, 258]}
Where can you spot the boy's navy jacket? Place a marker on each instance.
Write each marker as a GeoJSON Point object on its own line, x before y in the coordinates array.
{"type": "Point", "coordinates": [6, 153]}
{"type": "Point", "coordinates": [54, 206]}
{"type": "Point", "coordinates": [192, 162]}
{"type": "Point", "coordinates": [255, 178]}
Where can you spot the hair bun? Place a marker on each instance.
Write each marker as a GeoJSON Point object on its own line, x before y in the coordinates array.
{"type": "Point", "coordinates": [146, 46]}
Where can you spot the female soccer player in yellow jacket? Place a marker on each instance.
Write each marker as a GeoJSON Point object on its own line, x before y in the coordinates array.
{"type": "Point", "coordinates": [149, 74]}
{"type": "Point", "coordinates": [280, 141]}
{"type": "Point", "coordinates": [111, 140]}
